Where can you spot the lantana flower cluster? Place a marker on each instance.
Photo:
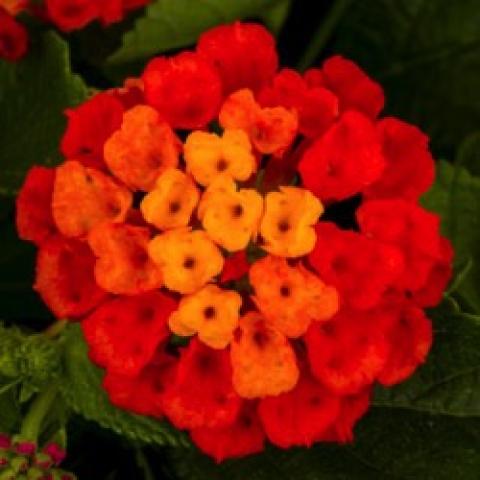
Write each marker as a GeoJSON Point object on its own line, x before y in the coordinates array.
{"type": "Point", "coordinates": [243, 244]}
{"type": "Point", "coordinates": [66, 15]}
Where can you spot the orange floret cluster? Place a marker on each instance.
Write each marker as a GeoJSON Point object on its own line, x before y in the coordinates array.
{"type": "Point", "coordinates": [192, 230]}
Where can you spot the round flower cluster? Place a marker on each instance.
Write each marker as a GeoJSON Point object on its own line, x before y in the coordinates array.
{"type": "Point", "coordinates": [243, 245]}
{"type": "Point", "coordinates": [67, 15]}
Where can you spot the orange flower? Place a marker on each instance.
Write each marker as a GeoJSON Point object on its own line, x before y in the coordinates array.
{"type": "Point", "coordinates": [171, 203]}
{"type": "Point", "coordinates": [230, 217]}
{"type": "Point", "coordinates": [263, 360]}
{"type": "Point", "coordinates": [291, 297]}
{"type": "Point", "coordinates": [287, 225]}
{"type": "Point", "coordinates": [187, 259]}
{"type": "Point", "coordinates": [14, 7]}
{"type": "Point", "coordinates": [142, 149]}
{"type": "Point", "coordinates": [207, 155]}
{"type": "Point", "coordinates": [84, 197]}
{"type": "Point", "coordinates": [211, 312]}
{"type": "Point", "coordinates": [271, 130]}
{"type": "Point", "coordinates": [123, 265]}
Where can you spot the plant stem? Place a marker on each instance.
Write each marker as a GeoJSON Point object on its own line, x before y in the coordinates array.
{"type": "Point", "coordinates": [8, 386]}
{"type": "Point", "coordinates": [143, 464]}
{"type": "Point", "coordinates": [55, 328]}
{"type": "Point", "coordinates": [323, 33]}
{"type": "Point", "coordinates": [32, 423]}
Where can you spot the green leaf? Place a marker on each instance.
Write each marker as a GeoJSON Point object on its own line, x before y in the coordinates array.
{"type": "Point", "coordinates": [275, 17]}
{"type": "Point", "coordinates": [449, 382]}
{"type": "Point", "coordinates": [390, 445]}
{"type": "Point", "coordinates": [427, 56]}
{"type": "Point", "coordinates": [465, 231]}
{"type": "Point", "coordinates": [81, 387]}
{"type": "Point", "coordinates": [10, 415]}
{"type": "Point", "coordinates": [175, 24]}
{"type": "Point", "coordinates": [32, 359]}
{"type": "Point", "coordinates": [324, 462]}
{"type": "Point", "coordinates": [437, 199]}
{"type": "Point", "coordinates": [468, 154]}
{"type": "Point", "coordinates": [455, 196]}
{"type": "Point", "coordinates": [33, 95]}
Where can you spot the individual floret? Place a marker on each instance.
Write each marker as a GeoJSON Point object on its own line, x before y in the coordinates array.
{"type": "Point", "coordinates": [188, 259]}
{"type": "Point", "coordinates": [208, 155]}
{"type": "Point", "coordinates": [287, 224]}
{"type": "Point", "coordinates": [291, 297]}
{"type": "Point", "coordinates": [172, 201]}
{"type": "Point", "coordinates": [230, 217]}
{"type": "Point", "coordinates": [211, 312]}
{"type": "Point", "coordinates": [142, 149]}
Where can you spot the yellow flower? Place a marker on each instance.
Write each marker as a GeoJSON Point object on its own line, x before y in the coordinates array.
{"type": "Point", "coordinates": [271, 130]}
{"type": "Point", "coordinates": [287, 225]}
{"type": "Point", "coordinates": [207, 155]}
{"type": "Point", "coordinates": [291, 297]}
{"type": "Point", "coordinates": [85, 197]}
{"type": "Point", "coordinates": [263, 361]}
{"type": "Point", "coordinates": [143, 148]}
{"type": "Point", "coordinates": [188, 259]}
{"type": "Point", "coordinates": [171, 203]}
{"type": "Point", "coordinates": [229, 217]}
{"type": "Point", "coordinates": [211, 312]}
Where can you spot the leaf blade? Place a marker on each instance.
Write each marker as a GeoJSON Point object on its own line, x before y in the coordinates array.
{"type": "Point", "coordinates": [169, 25]}
{"type": "Point", "coordinates": [34, 94]}
{"type": "Point", "coordinates": [82, 390]}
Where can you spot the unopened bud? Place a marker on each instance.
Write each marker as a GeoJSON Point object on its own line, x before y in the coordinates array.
{"type": "Point", "coordinates": [5, 442]}
{"type": "Point", "coordinates": [56, 452]}
{"type": "Point", "coordinates": [25, 448]}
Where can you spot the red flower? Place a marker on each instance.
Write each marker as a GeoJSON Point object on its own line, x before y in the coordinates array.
{"type": "Point", "coordinates": [243, 53]}
{"type": "Point", "coordinates": [131, 4]}
{"type": "Point", "coordinates": [64, 277]}
{"type": "Point", "coordinates": [361, 268]}
{"type": "Point", "coordinates": [410, 340]}
{"type": "Point", "coordinates": [415, 231]}
{"type": "Point", "coordinates": [300, 369]}
{"type": "Point", "coordinates": [89, 127]}
{"type": "Point", "coordinates": [345, 160]}
{"type": "Point", "coordinates": [352, 408]}
{"type": "Point", "coordinates": [130, 94]}
{"type": "Point", "coordinates": [110, 11]}
{"type": "Point", "coordinates": [13, 37]}
{"type": "Point", "coordinates": [347, 353]}
{"type": "Point", "coordinates": [317, 107]}
{"type": "Point", "coordinates": [243, 437]}
{"type": "Point", "coordinates": [353, 87]}
{"type": "Point", "coordinates": [202, 394]}
{"type": "Point", "coordinates": [410, 168]}
{"type": "Point", "coordinates": [185, 89]}
{"type": "Point", "coordinates": [299, 417]}
{"type": "Point", "coordinates": [34, 213]}
{"type": "Point", "coordinates": [235, 267]}
{"type": "Point", "coordinates": [124, 333]}
{"type": "Point", "coordinates": [143, 393]}
{"type": "Point", "coordinates": [438, 278]}
{"type": "Point", "coordinates": [70, 15]}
